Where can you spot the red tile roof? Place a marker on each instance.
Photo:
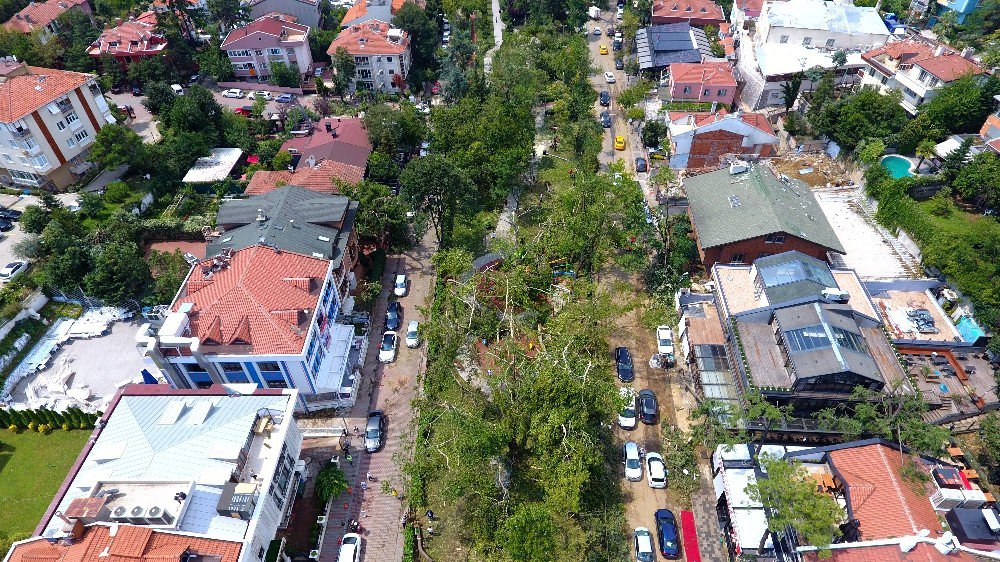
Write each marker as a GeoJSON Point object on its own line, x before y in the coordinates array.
{"type": "Point", "coordinates": [130, 544]}
{"type": "Point", "coordinates": [946, 66]}
{"type": "Point", "coordinates": [360, 8]}
{"type": "Point", "coordinates": [370, 37]}
{"type": "Point", "coordinates": [134, 37]}
{"type": "Point", "coordinates": [242, 303]}
{"type": "Point", "coordinates": [22, 94]}
{"type": "Point", "coordinates": [347, 143]}
{"type": "Point", "coordinates": [269, 28]}
{"type": "Point", "coordinates": [751, 8]}
{"type": "Point", "coordinates": [37, 15]}
{"type": "Point", "coordinates": [885, 505]}
{"type": "Point", "coordinates": [702, 118]}
{"type": "Point", "coordinates": [688, 9]}
{"type": "Point", "coordinates": [316, 178]}
{"type": "Point", "coordinates": [704, 73]}
{"type": "Point", "coordinates": [890, 553]}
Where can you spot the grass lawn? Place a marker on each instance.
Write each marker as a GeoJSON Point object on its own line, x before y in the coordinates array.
{"type": "Point", "coordinates": [32, 466]}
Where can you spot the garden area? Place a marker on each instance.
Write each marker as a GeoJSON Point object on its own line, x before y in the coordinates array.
{"type": "Point", "coordinates": [32, 467]}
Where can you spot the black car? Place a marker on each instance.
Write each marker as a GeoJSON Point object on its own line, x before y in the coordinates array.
{"type": "Point", "coordinates": [393, 316]}
{"type": "Point", "coordinates": [666, 533]}
{"type": "Point", "coordinates": [605, 119]}
{"type": "Point", "coordinates": [647, 407]}
{"type": "Point", "coordinates": [9, 214]}
{"type": "Point", "coordinates": [640, 164]}
{"type": "Point", "coordinates": [619, 64]}
{"type": "Point", "coordinates": [6, 225]}
{"type": "Point", "coordinates": [136, 90]}
{"type": "Point", "coordinates": [616, 46]}
{"type": "Point", "coordinates": [623, 364]}
{"type": "Point", "coordinates": [605, 98]}
{"type": "Point", "coordinates": [610, 32]}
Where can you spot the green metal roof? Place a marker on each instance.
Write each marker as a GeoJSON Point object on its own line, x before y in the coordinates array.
{"type": "Point", "coordinates": [727, 208]}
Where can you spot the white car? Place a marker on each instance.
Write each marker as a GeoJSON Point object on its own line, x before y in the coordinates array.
{"type": "Point", "coordinates": [643, 545]}
{"type": "Point", "coordinates": [627, 417]}
{"type": "Point", "coordinates": [401, 286]}
{"type": "Point", "coordinates": [12, 269]}
{"type": "Point", "coordinates": [656, 471]}
{"type": "Point", "coordinates": [413, 334]}
{"type": "Point", "coordinates": [387, 351]}
{"type": "Point", "coordinates": [609, 77]}
{"type": "Point", "coordinates": [259, 94]}
{"type": "Point", "coordinates": [619, 13]}
{"type": "Point", "coordinates": [233, 93]}
{"type": "Point", "coordinates": [664, 340]}
{"type": "Point", "coordinates": [350, 548]}
{"type": "Point", "coordinates": [632, 462]}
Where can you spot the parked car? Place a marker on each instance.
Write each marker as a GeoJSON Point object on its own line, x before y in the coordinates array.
{"type": "Point", "coordinates": [666, 532]}
{"type": "Point", "coordinates": [643, 545]}
{"type": "Point", "coordinates": [393, 315]}
{"type": "Point", "coordinates": [413, 334]}
{"type": "Point", "coordinates": [597, 31]}
{"type": "Point", "coordinates": [627, 417]}
{"type": "Point", "coordinates": [285, 98]}
{"type": "Point", "coordinates": [233, 93]}
{"type": "Point", "coordinates": [656, 471]}
{"type": "Point", "coordinates": [648, 212]}
{"type": "Point", "coordinates": [259, 94]}
{"type": "Point", "coordinates": [401, 286]}
{"type": "Point", "coordinates": [632, 462]}
{"type": "Point", "coordinates": [623, 364]}
{"type": "Point", "coordinates": [619, 64]}
{"type": "Point", "coordinates": [350, 548]}
{"type": "Point", "coordinates": [245, 111]}
{"type": "Point", "coordinates": [609, 77]}
{"type": "Point", "coordinates": [177, 89]}
{"type": "Point", "coordinates": [605, 98]}
{"type": "Point", "coordinates": [12, 269]}
{"type": "Point", "coordinates": [193, 79]}
{"type": "Point", "coordinates": [665, 342]}
{"type": "Point", "coordinates": [640, 164]}
{"type": "Point", "coordinates": [605, 119]}
{"type": "Point", "coordinates": [9, 214]}
{"type": "Point", "coordinates": [387, 351]}
{"type": "Point", "coordinates": [603, 49]}
{"type": "Point", "coordinates": [616, 45]}
{"type": "Point", "coordinates": [375, 431]}
{"type": "Point", "coordinates": [6, 225]}
{"type": "Point", "coordinates": [647, 406]}
{"type": "Point", "coordinates": [609, 31]}
{"type": "Point", "coordinates": [136, 90]}
{"type": "Point", "coordinates": [619, 142]}
{"type": "Point", "coordinates": [619, 13]}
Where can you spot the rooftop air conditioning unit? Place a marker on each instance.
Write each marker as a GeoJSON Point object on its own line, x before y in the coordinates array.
{"type": "Point", "coordinates": [946, 499]}
{"type": "Point", "coordinates": [835, 295]}
{"type": "Point", "coordinates": [157, 515]}
{"type": "Point", "coordinates": [974, 499]}
{"type": "Point", "coordinates": [120, 514]}
{"type": "Point", "coordinates": [137, 515]}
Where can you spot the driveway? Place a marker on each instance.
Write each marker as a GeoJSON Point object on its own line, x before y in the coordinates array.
{"type": "Point", "coordinates": [9, 239]}
{"type": "Point", "coordinates": [390, 388]}
{"type": "Point", "coordinates": [144, 123]}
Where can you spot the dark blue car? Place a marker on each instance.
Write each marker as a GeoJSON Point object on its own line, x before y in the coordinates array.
{"type": "Point", "coordinates": [666, 533]}
{"type": "Point", "coordinates": [623, 364]}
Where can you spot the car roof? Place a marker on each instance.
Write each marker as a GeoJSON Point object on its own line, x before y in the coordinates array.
{"type": "Point", "coordinates": [646, 392]}
{"type": "Point", "coordinates": [400, 277]}
{"type": "Point", "coordinates": [664, 514]}
{"type": "Point", "coordinates": [631, 447]}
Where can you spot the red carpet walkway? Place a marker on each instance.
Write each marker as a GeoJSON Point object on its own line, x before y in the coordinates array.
{"type": "Point", "coordinates": [689, 537]}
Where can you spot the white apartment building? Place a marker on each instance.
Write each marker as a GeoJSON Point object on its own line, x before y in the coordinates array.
{"type": "Point", "coordinates": [381, 53]}
{"type": "Point", "coordinates": [48, 124]}
{"type": "Point", "coordinates": [272, 38]}
{"type": "Point", "coordinates": [220, 463]}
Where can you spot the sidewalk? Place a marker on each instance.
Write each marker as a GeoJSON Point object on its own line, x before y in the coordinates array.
{"type": "Point", "coordinates": [390, 388]}
{"type": "Point", "coordinates": [498, 27]}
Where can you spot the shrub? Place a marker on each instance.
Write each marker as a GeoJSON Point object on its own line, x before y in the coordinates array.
{"type": "Point", "coordinates": [32, 425]}
{"type": "Point", "coordinates": [117, 192]}
{"type": "Point", "coordinates": [12, 428]}
{"type": "Point", "coordinates": [330, 483]}
{"type": "Point", "coordinates": [65, 426]}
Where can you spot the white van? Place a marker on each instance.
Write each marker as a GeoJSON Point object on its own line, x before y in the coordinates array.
{"type": "Point", "coordinates": [177, 89]}
{"type": "Point", "coordinates": [350, 548]}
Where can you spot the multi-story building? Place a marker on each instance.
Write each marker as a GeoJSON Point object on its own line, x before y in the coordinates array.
{"type": "Point", "coordinates": [48, 119]}
{"type": "Point", "coordinates": [701, 141]}
{"type": "Point", "coordinates": [263, 309]}
{"type": "Point", "coordinates": [917, 69]}
{"type": "Point", "coordinates": [658, 47]}
{"type": "Point", "coordinates": [990, 132]}
{"type": "Point", "coordinates": [743, 216]}
{"type": "Point", "coordinates": [273, 38]}
{"type": "Point", "coordinates": [367, 10]}
{"type": "Point", "coordinates": [215, 464]}
{"type": "Point", "coordinates": [793, 36]}
{"type": "Point", "coordinates": [381, 54]}
{"type": "Point", "coordinates": [695, 12]}
{"type": "Point", "coordinates": [43, 16]}
{"type": "Point", "coordinates": [86, 543]}
{"type": "Point", "coordinates": [305, 12]}
{"type": "Point", "coordinates": [962, 8]}
{"type": "Point", "coordinates": [130, 41]}
{"type": "Point", "coordinates": [709, 81]}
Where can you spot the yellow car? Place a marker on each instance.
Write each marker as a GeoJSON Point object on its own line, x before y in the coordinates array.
{"type": "Point", "coordinates": [603, 49]}
{"type": "Point", "coordinates": [619, 143]}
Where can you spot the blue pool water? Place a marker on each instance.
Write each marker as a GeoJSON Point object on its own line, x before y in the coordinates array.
{"type": "Point", "coordinates": [898, 166]}
{"type": "Point", "coordinates": [969, 329]}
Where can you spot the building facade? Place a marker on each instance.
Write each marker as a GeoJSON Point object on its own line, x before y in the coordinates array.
{"type": "Point", "coordinates": [700, 141]}
{"type": "Point", "coordinates": [305, 12]}
{"type": "Point", "coordinates": [272, 38]}
{"type": "Point", "coordinates": [917, 69]}
{"type": "Point", "coordinates": [265, 308]}
{"type": "Point", "coordinates": [696, 12]}
{"type": "Point", "coordinates": [130, 41]}
{"type": "Point", "coordinates": [709, 81]}
{"type": "Point", "coordinates": [381, 55]}
{"type": "Point", "coordinates": [48, 125]}
{"type": "Point", "coordinates": [42, 17]}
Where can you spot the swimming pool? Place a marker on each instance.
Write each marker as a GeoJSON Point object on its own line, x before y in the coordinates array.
{"type": "Point", "coordinates": [969, 329]}
{"type": "Point", "coordinates": [897, 166]}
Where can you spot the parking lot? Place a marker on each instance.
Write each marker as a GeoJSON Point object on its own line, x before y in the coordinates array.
{"type": "Point", "coordinates": [19, 203]}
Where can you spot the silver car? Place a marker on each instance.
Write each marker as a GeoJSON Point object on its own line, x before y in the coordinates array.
{"type": "Point", "coordinates": [375, 431]}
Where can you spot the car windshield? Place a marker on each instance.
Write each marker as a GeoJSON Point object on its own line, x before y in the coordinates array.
{"type": "Point", "coordinates": [350, 540]}
{"type": "Point", "coordinates": [628, 412]}
{"type": "Point", "coordinates": [664, 341]}
{"type": "Point", "coordinates": [372, 433]}
{"type": "Point", "coordinates": [401, 283]}
{"type": "Point", "coordinates": [392, 313]}
{"type": "Point", "coordinates": [632, 463]}
{"type": "Point", "coordinates": [648, 403]}
{"type": "Point", "coordinates": [387, 343]}
{"type": "Point", "coordinates": [625, 360]}
{"type": "Point", "coordinates": [412, 334]}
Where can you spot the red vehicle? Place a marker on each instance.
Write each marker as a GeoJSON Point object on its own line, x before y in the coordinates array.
{"type": "Point", "coordinates": [436, 88]}
{"type": "Point", "coordinates": [245, 111]}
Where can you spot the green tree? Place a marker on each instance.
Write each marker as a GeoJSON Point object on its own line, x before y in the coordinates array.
{"type": "Point", "coordinates": [319, 42]}
{"type": "Point", "coordinates": [281, 161]}
{"type": "Point", "coordinates": [196, 112]}
{"type": "Point", "coordinates": [790, 90]}
{"type": "Point", "coordinates": [925, 150]}
{"type": "Point", "coordinates": [159, 97]}
{"type": "Point", "coordinates": [425, 38]}
{"type": "Point", "coordinates": [67, 269]}
{"type": "Point", "coordinates": [529, 534]}
{"type": "Point", "coordinates": [169, 270]}
{"type": "Point", "coordinates": [795, 125]}
{"type": "Point", "coordinates": [980, 179]}
{"type": "Point", "coordinates": [917, 130]}
{"type": "Point", "coordinates": [284, 75]}
{"type": "Point", "coordinates": [117, 192]}
{"type": "Point", "coordinates": [391, 130]}
{"type": "Point", "coordinates": [330, 483]}
{"type": "Point", "coordinates": [824, 92]}
{"type": "Point", "coordinates": [227, 13]}
{"type": "Point", "coordinates": [382, 169]}
{"type": "Point", "coordinates": [653, 132]}
{"type": "Point", "coordinates": [959, 106]}
{"type": "Point", "coordinates": [344, 69]}
{"type": "Point", "coordinates": [866, 114]}
{"type": "Point", "coordinates": [116, 145]}
{"type": "Point", "coordinates": [76, 33]}
{"type": "Point", "coordinates": [381, 215]}
{"type": "Point", "coordinates": [120, 273]}
{"type": "Point", "coordinates": [634, 94]}
{"type": "Point", "coordinates": [955, 160]}
{"type": "Point", "coordinates": [34, 219]}
{"type": "Point", "coordinates": [871, 151]}
{"type": "Point", "coordinates": [436, 186]}
{"type": "Point", "coordinates": [793, 501]}
{"type": "Point", "coordinates": [989, 435]}
{"type": "Point", "coordinates": [153, 69]}
{"type": "Point", "coordinates": [212, 60]}
{"type": "Point", "coordinates": [91, 204]}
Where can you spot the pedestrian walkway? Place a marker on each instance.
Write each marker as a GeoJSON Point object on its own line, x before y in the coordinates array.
{"type": "Point", "coordinates": [498, 27]}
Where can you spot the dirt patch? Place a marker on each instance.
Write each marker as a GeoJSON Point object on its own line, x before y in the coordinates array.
{"type": "Point", "coordinates": [825, 171]}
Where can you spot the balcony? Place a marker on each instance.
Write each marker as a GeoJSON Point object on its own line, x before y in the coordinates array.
{"type": "Point", "coordinates": [31, 149]}
{"type": "Point", "coordinates": [65, 106]}
{"type": "Point", "coordinates": [21, 133]}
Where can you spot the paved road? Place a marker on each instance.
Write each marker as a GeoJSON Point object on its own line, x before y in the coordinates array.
{"type": "Point", "coordinates": [390, 388]}
{"type": "Point", "coordinates": [498, 28]}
